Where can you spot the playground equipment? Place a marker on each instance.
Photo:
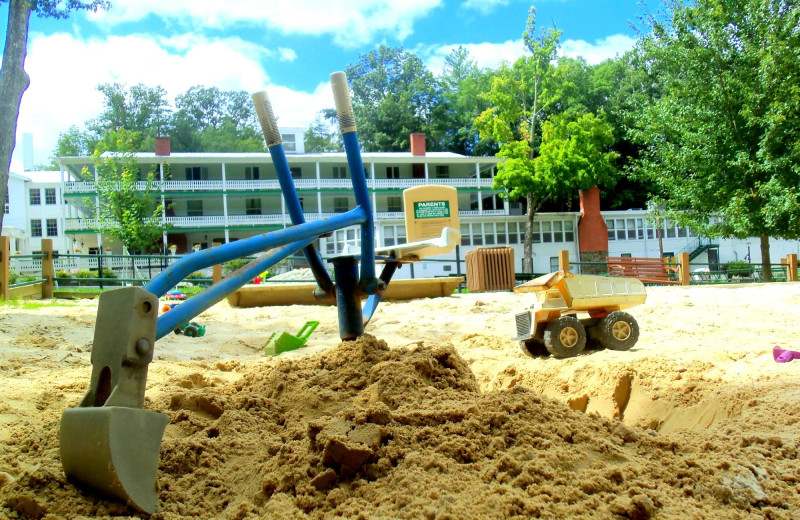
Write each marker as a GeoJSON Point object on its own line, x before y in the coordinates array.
{"type": "Point", "coordinates": [284, 342]}
{"type": "Point", "coordinates": [109, 442]}
{"type": "Point", "coordinates": [552, 321]}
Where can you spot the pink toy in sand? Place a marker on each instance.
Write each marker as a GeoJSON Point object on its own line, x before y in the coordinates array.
{"type": "Point", "coordinates": [784, 356]}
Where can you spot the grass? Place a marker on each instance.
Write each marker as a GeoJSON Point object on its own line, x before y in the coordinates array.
{"type": "Point", "coordinates": [37, 304]}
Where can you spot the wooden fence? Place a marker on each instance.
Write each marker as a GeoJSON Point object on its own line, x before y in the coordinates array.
{"type": "Point", "coordinates": [34, 289]}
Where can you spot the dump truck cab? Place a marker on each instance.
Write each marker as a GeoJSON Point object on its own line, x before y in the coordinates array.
{"type": "Point", "coordinates": [571, 309]}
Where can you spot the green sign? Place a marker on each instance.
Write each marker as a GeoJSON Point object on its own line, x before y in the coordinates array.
{"type": "Point", "coordinates": [432, 209]}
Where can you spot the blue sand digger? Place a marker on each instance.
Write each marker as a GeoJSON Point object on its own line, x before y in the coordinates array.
{"type": "Point", "coordinates": [109, 443]}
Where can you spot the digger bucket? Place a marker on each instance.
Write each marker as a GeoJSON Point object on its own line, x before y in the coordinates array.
{"type": "Point", "coordinates": [109, 442]}
{"type": "Point", "coordinates": [285, 341]}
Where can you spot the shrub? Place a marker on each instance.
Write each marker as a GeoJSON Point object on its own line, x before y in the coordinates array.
{"type": "Point", "coordinates": [739, 268]}
{"type": "Point", "coordinates": [12, 277]}
{"type": "Point", "coordinates": [107, 273]}
{"type": "Point", "coordinates": [235, 264]}
{"type": "Point", "coordinates": [63, 274]}
{"type": "Point", "coordinates": [83, 273]}
{"type": "Point", "coordinates": [197, 275]}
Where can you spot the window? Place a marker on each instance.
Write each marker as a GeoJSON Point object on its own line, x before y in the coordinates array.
{"type": "Point", "coordinates": [630, 224]}
{"type": "Point", "coordinates": [610, 226]}
{"type": "Point", "coordinates": [394, 204]}
{"type": "Point", "coordinates": [669, 226]}
{"type": "Point", "coordinates": [194, 208]}
{"type": "Point", "coordinates": [388, 236]}
{"type": "Point", "coordinates": [196, 173]}
{"type": "Point", "coordinates": [558, 231]}
{"type": "Point", "coordinates": [537, 235]}
{"type": "Point", "coordinates": [569, 231]}
{"type": "Point", "coordinates": [35, 197]}
{"type": "Point", "coordinates": [651, 232]}
{"type": "Point", "coordinates": [639, 228]}
{"type": "Point", "coordinates": [49, 195]}
{"type": "Point", "coordinates": [465, 236]}
{"type": "Point", "coordinates": [512, 233]}
{"type": "Point", "coordinates": [340, 172]}
{"type": "Point", "coordinates": [392, 172]}
{"type": "Point", "coordinates": [52, 227]}
{"type": "Point", "coordinates": [477, 234]}
{"type": "Point", "coordinates": [502, 238]}
{"type": "Point", "coordinates": [252, 173]}
{"type": "Point", "coordinates": [289, 142]}
{"type": "Point", "coordinates": [553, 264]}
{"type": "Point", "coordinates": [253, 206]}
{"type": "Point", "coordinates": [488, 229]}
{"type": "Point", "coordinates": [340, 204]}
{"type": "Point", "coordinates": [547, 232]}
{"type": "Point", "coordinates": [442, 171]}
{"type": "Point", "coordinates": [682, 232]}
{"type": "Point", "coordinates": [36, 228]}
{"type": "Point", "coordinates": [297, 173]}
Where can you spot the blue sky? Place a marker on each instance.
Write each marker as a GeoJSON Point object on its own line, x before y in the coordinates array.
{"type": "Point", "coordinates": [288, 48]}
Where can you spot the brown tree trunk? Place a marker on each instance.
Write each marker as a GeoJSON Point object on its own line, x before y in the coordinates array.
{"type": "Point", "coordinates": [13, 83]}
{"type": "Point", "coordinates": [527, 244]}
{"type": "Point", "coordinates": [766, 267]}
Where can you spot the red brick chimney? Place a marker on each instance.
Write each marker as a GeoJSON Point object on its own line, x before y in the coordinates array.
{"type": "Point", "coordinates": [418, 144]}
{"type": "Point", "coordinates": [162, 146]}
{"type": "Point", "coordinates": [592, 229]}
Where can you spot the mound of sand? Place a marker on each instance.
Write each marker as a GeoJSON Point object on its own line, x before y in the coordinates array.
{"type": "Point", "coordinates": [456, 423]}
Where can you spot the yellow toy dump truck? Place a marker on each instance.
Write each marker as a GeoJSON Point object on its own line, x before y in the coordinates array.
{"type": "Point", "coordinates": [552, 323]}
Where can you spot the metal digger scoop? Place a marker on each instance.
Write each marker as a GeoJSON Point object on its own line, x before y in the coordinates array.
{"type": "Point", "coordinates": [109, 442]}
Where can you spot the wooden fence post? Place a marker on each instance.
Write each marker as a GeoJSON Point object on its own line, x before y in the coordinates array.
{"type": "Point", "coordinates": [563, 260]}
{"type": "Point", "coordinates": [5, 264]}
{"type": "Point", "coordinates": [683, 268]}
{"type": "Point", "coordinates": [792, 261]}
{"type": "Point", "coordinates": [217, 272]}
{"type": "Point", "coordinates": [48, 273]}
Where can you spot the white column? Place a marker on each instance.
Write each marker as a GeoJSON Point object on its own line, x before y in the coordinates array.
{"type": "Point", "coordinates": [426, 171]}
{"type": "Point", "coordinates": [163, 209]}
{"type": "Point", "coordinates": [374, 203]}
{"type": "Point", "coordinates": [319, 191]}
{"type": "Point", "coordinates": [225, 202]}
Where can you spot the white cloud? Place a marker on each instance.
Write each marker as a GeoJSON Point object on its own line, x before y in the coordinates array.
{"type": "Point", "coordinates": [287, 54]}
{"type": "Point", "coordinates": [65, 71]}
{"type": "Point", "coordinates": [483, 6]}
{"type": "Point", "coordinates": [600, 50]}
{"type": "Point", "coordinates": [491, 55]}
{"type": "Point", "coordinates": [351, 23]}
{"type": "Point", "coordinates": [486, 55]}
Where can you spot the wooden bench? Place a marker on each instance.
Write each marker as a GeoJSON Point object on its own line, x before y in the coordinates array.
{"type": "Point", "coordinates": [648, 270]}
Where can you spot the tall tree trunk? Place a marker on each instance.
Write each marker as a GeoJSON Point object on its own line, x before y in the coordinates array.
{"type": "Point", "coordinates": [527, 245]}
{"type": "Point", "coordinates": [13, 83]}
{"type": "Point", "coordinates": [766, 264]}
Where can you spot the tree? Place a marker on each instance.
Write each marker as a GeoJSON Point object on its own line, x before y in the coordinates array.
{"type": "Point", "coordinates": [464, 86]}
{"type": "Point", "coordinates": [127, 210]}
{"type": "Point", "coordinates": [394, 95]}
{"type": "Point", "coordinates": [322, 137]}
{"type": "Point", "coordinates": [518, 97]}
{"type": "Point", "coordinates": [141, 109]}
{"type": "Point", "coordinates": [14, 80]}
{"type": "Point", "coordinates": [721, 133]}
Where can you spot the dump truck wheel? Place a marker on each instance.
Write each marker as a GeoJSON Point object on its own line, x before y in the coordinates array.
{"type": "Point", "coordinates": [533, 348]}
{"type": "Point", "coordinates": [565, 337]}
{"type": "Point", "coordinates": [191, 331]}
{"type": "Point", "coordinates": [618, 331]}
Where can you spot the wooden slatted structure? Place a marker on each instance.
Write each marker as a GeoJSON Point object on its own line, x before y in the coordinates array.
{"type": "Point", "coordinates": [648, 270]}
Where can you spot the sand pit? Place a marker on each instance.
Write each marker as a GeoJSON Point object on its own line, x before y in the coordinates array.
{"type": "Point", "coordinates": [436, 414]}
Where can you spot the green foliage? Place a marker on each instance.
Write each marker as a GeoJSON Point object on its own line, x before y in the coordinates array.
{"type": "Point", "coordinates": [237, 263]}
{"type": "Point", "coordinates": [394, 94]}
{"type": "Point", "coordinates": [322, 137]}
{"type": "Point", "coordinates": [83, 273]}
{"type": "Point", "coordinates": [739, 268]}
{"type": "Point", "coordinates": [107, 273]}
{"type": "Point", "coordinates": [13, 276]}
{"type": "Point", "coordinates": [63, 274]}
{"type": "Point", "coordinates": [128, 211]}
{"type": "Point", "coordinates": [719, 134]}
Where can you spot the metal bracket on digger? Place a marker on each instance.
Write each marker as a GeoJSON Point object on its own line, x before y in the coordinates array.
{"type": "Point", "coordinates": [109, 442]}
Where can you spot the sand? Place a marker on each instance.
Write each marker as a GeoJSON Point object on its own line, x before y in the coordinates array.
{"type": "Point", "coordinates": [435, 414]}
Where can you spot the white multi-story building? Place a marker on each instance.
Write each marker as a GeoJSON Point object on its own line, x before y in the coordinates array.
{"type": "Point", "coordinates": [222, 197]}
{"type": "Point", "coordinates": [35, 209]}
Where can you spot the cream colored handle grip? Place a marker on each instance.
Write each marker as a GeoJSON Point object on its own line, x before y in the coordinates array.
{"type": "Point", "coordinates": [344, 105]}
{"type": "Point", "coordinates": [269, 124]}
